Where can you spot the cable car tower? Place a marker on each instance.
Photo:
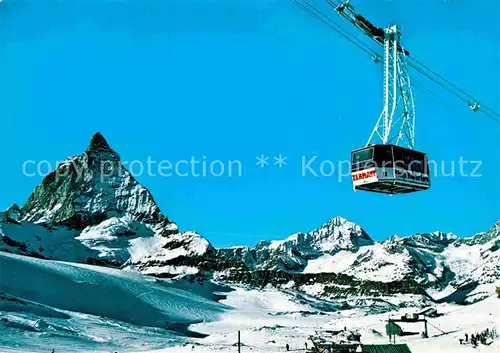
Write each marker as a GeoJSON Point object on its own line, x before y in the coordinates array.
{"type": "Point", "coordinates": [397, 120]}
{"type": "Point", "coordinates": [388, 163]}
{"type": "Point", "coordinates": [396, 123]}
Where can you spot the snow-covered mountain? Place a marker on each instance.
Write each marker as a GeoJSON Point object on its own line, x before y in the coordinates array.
{"type": "Point", "coordinates": [87, 189]}
{"type": "Point", "coordinates": [294, 253]}
{"type": "Point", "coordinates": [73, 307]}
{"type": "Point", "coordinates": [67, 307]}
{"type": "Point", "coordinates": [92, 210]}
{"type": "Point", "coordinates": [429, 263]}
{"type": "Point", "coordinates": [12, 213]}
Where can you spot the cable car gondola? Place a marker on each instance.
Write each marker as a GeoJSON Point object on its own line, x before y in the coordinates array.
{"type": "Point", "coordinates": [388, 163]}
{"type": "Point", "coordinates": [389, 169]}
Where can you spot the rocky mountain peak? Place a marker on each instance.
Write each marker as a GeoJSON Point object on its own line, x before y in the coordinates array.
{"type": "Point", "coordinates": [98, 143]}
{"type": "Point", "coordinates": [338, 221]}
{"type": "Point", "coordinates": [14, 208]}
{"type": "Point", "coordinates": [91, 209]}
{"type": "Point", "coordinates": [86, 189]}
{"type": "Point", "coordinates": [13, 213]}
{"type": "Point", "coordinates": [294, 252]}
{"type": "Point", "coordinates": [101, 156]}
{"type": "Point", "coordinates": [434, 241]}
{"type": "Point", "coordinates": [340, 234]}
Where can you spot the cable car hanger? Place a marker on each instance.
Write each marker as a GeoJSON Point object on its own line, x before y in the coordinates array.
{"type": "Point", "coordinates": [388, 163]}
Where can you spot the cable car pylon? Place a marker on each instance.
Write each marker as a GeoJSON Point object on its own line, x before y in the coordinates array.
{"type": "Point", "coordinates": [398, 112]}
{"type": "Point", "coordinates": [388, 163]}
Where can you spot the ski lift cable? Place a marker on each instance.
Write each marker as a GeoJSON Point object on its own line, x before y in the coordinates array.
{"type": "Point", "coordinates": [415, 62]}
{"type": "Point", "coordinates": [319, 15]}
{"type": "Point", "coordinates": [457, 92]}
{"type": "Point", "coordinates": [351, 38]}
{"type": "Point", "coordinates": [437, 328]}
{"type": "Point", "coordinates": [430, 76]}
{"type": "Point", "coordinates": [448, 82]}
{"type": "Point", "coordinates": [412, 62]}
{"type": "Point", "coordinates": [330, 22]}
{"type": "Point", "coordinates": [492, 115]}
{"type": "Point", "coordinates": [417, 84]}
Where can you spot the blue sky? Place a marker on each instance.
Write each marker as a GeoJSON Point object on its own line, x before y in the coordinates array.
{"type": "Point", "coordinates": [233, 79]}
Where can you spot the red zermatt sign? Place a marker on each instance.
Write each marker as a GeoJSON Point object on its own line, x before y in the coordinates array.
{"type": "Point", "coordinates": [364, 175]}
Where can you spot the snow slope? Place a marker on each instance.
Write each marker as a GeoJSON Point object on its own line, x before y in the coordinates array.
{"type": "Point", "coordinates": [372, 263]}
{"type": "Point", "coordinates": [47, 301]}
{"type": "Point", "coordinates": [437, 263]}
{"type": "Point", "coordinates": [269, 319]}
{"type": "Point", "coordinates": [82, 308]}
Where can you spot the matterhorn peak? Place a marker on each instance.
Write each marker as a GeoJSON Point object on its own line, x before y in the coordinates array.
{"type": "Point", "coordinates": [99, 150]}
{"type": "Point", "coordinates": [98, 143]}
{"type": "Point", "coordinates": [81, 192]}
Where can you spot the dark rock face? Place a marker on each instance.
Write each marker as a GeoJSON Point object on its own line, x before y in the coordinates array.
{"type": "Point", "coordinates": [337, 286]}
{"type": "Point", "coordinates": [98, 143]}
{"type": "Point", "coordinates": [85, 190]}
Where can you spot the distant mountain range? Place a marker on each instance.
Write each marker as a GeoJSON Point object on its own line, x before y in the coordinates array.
{"type": "Point", "coordinates": [85, 213]}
